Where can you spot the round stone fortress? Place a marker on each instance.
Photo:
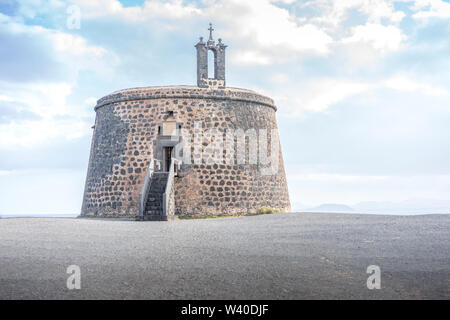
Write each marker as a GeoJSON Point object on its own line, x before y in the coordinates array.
{"type": "Point", "coordinates": [162, 152]}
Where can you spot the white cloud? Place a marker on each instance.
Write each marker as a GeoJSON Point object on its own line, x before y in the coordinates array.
{"type": "Point", "coordinates": [269, 29]}
{"type": "Point", "coordinates": [265, 31]}
{"type": "Point", "coordinates": [5, 172]}
{"type": "Point", "coordinates": [47, 99]}
{"type": "Point", "coordinates": [333, 13]}
{"type": "Point", "coordinates": [318, 95]}
{"type": "Point", "coordinates": [427, 9]}
{"type": "Point", "coordinates": [404, 83]}
{"type": "Point", "coordinates": [280, 78]}
{"type": "Point", "coordinates": [175, 9]}
{"type": "Point", "coordinates": [56, 119]}
{"type": "Point", "coordinates": [377, 10]}
{"type": "Point", "coordinates": [249, 57]}
{"type": "Point", "coordinates": [380, 37]}
{"type": "Point", "coordinates": [70, 50]}
{"type": "Point", "coordinates": [74, 45]}
{"type": "Point", "coordinates": [284, 1]}
{"type": "Point", "coordinates": [31, 133]}
{"type": "Point", "coordinates": [92, 101]}
{"type": "Point", "coordinates": [150, 9]}
{"type": "Point", "coordinates": [375, 24]}
{"type": "Point", "coordinates": [31, 8]}
{"type": "Point", "coordinates": [321, 95]}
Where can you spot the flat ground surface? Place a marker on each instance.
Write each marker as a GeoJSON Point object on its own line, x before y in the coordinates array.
{"type": "Point", "coordinates": [277, 256]}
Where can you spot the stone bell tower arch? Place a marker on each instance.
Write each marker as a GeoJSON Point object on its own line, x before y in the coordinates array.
{"type": "Point", "coordinates": [202, 62]}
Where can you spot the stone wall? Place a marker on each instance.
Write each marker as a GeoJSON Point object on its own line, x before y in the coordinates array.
{"type": "Point", "coordinates": [126, 126]}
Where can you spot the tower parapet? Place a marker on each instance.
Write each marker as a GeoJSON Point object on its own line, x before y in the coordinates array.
{"type": "Point", "coordinates": [202, 62]}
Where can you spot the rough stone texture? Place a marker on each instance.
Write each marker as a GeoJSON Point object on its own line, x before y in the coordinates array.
{"type": "Point", "coordinates": [126, 126]}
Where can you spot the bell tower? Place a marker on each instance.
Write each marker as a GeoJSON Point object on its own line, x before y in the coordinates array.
{"type": "Point", "coordinates": [202, 62]}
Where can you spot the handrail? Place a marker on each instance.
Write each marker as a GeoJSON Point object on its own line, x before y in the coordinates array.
{"type": "Point", "coordinates": [169, 186]}
{"type": "Point", "coordinates": [158, 164]}
{"type": "Point", "coordinates": [177, 162]}
{"type": "Point", "coordinates": [147, 179]}
{"type": "Point", "coordinates": [145, 186]}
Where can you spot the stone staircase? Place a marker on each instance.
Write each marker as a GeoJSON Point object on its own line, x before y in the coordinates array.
{"type": "Point", "coordinates": [154, 206]}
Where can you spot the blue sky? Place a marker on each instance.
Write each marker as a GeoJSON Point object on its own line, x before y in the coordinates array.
{"type": "Point", "coordinates": [362, 88]}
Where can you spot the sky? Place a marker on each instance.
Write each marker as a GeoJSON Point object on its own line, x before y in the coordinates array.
{"type": "Point", "coordinates": [362, 89]}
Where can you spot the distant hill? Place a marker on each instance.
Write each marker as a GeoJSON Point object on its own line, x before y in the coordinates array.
{"type": "Point", "coordinates": [406, 207]}
{"type": "Point", "coordinates": [331, 207]}
{"type": "Point", "coordinates": [410, 206]}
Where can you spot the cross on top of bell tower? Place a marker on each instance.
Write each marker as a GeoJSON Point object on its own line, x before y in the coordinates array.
{"type": "Point", "coordinates": [210, 31]}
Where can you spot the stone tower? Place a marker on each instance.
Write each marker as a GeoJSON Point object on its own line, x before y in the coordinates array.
{"type": "Point", "coordinates": [161, 152]}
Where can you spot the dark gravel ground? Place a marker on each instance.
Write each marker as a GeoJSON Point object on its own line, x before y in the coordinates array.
{"type": "Point", "coordinates": [277, 256]}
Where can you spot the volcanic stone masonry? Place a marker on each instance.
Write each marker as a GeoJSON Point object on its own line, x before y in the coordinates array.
{"type": "Point", "coordinates": [129, 132]}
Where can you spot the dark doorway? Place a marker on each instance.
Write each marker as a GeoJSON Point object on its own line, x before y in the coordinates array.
{"type": "Point", "coordinates": [167, 157]}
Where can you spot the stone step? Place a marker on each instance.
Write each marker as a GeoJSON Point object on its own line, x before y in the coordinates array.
{"type": "Point", "coordinates": [154, 218]}
{"type": "Point", "coordinates": [153, 206]}
{"type": "Point", "coordinates": [149, 208]}
{"type": "Point", "coordinates": [155, 196]}
{"type": "Point", "coordinates": [153, 213]}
